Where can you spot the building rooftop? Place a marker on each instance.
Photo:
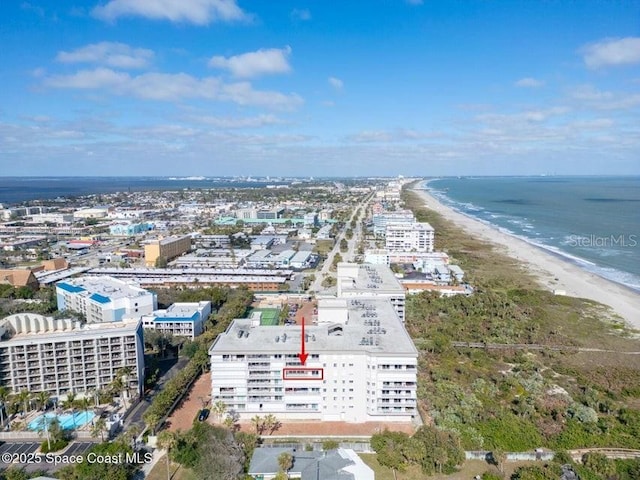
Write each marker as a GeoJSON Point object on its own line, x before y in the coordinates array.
{"type": "Point", "coordinates": [180, 311]}
{"type": "Point", "coordinates": [360, 326]}
{"type": "Point", "coordinates": [337, 464]}
{"type": "Point", "coordinates": [102, 289]}
{"type": "Point", "coordinates": [366, 278]}
{"type": "Point", "coordinates": [27, 326]}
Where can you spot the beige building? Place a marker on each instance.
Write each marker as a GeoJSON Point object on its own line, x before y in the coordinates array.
{"type": "Point", "coordinates": [42, 354]}
{"type": "Point", "coordinates": [167, 248]}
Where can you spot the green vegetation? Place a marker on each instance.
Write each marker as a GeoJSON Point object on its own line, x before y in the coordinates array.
{"type": "Point", "coordinates": [519, 399]}
{"type": "Point", "coordinates": [229, 304]}
{"type": "Point", "coordinates": [434, 450]}
{"type": "Point", "coordinates": [118, 468]}
{"type": "Point", "coordinates": [210, 452]}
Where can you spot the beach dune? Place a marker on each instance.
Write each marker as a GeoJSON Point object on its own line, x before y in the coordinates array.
{"type": "Point", "coordinates": [552, 272]}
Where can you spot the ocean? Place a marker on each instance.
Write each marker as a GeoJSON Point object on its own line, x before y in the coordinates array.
{"type": "Point", "coordinates": [23, 189]}
{"type": "Point", "coordinates": [593, 222]}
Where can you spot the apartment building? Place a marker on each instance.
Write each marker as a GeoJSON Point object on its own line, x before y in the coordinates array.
{"type": "Point", "coordinates": [370, 281]}
{"type": "Point", "coordinates": [361, 366]}
{"type": "Point", "coordinates": [40, 353]}
{"type": "Point", "coordinates": [180, 319]}
{"type": "Point", "coordinates": [104, 299]}
{"type": "Point", "coordinates": [409, 237]}
{"type": "Point", "coordinates": [167, 248]}
{"type": "Point", "coordinates": [381, 220]}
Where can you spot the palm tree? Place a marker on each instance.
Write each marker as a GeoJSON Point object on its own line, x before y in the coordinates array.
{"type": "Point", "coordinates": [98, 428]}
{"type": "Point", "coordinates": [285, 462]}
{"type": "Point", "coordinates": [167, 440]}
{"type": "Point", "coordinates": [42, 399]}
{"type": "Point", "coordinates": [4, 395]}
{"type": "Point", "coordinates": [218, 409]}
{"type": "Point", "coordinates": [23, 398]}
{"type": "Point", "coordinates": [257, 422]}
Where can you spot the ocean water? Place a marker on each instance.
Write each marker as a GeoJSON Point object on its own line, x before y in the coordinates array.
{"type": "Point", "coordinates": [592, 221]}
{"type": "Point", "coordinates": [23, 189]}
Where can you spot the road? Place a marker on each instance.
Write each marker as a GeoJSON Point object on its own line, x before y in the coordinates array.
{"type": "Point", "coordinates": [136, 414]}
{"type": "Point", "coordinates": [349, 255]}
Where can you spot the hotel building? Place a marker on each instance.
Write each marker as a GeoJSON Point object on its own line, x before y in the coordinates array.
{"type": "Point", "coordinates": [104, 299]}
{"type": "Point", "coordinates": [40, 353]}
{"type": "Point", "coordinates": [361, 366]}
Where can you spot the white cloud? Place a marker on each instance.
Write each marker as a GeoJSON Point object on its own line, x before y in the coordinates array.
{"type": "Point", "coordinates": [32, 8]}
{"type": "Point", "coordinates": [172, 87]}
{"type": "Point", "coordinates": [612, 52]}
{"type": "Point", "coordinates": [336, 83]}
{"type": "Point", "coordinates": [300, 14]}
{"type": "Point", "coordinates": [266, 61]}
{"type": "Point", "coordinates": [528, 116]}
{"type": "Point", "coordinates": [111, 54]}
{"type": "Point", "coordinates": [590, 97]}
{"type": "Point", "coordinates": [529, 82]}
{"type": "Point", "coordinates": [398, 135]}
{"type": "Point", "coordinates": [235, 122]}
{"type": "Point", "coordinates": [198, 12]}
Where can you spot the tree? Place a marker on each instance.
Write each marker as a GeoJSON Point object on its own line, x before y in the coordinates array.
{"type": "Point", "coordinates": [258, 423]}
{"type": "Point", "coordinates": [167, 440]}
{"type": "Point", "coordinates": [23, 399]}
{"type": "Point", "coordinates": [42, 399]}
{"type": "Point", "coordinates": [271, 423]}
{"type": "Point", "coordinates": [98, 429]}
{"type": "Point", "coordinates": [285, 462]}
{"type": "Point", "coordinates": [161, 262]}
{"type": "Point", "coordinates": [499, 457]}
{"type": "Point", "coordinates": [218, 409]}
{"type": "Point", "coordinates": [4, 395]}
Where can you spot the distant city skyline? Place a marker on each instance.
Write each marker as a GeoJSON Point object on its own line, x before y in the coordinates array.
{"type": "Point", "coordinates": [303, 88]}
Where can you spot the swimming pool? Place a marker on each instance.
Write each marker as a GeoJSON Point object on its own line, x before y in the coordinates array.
{"type": "Point", "coordinates": [67, 421]}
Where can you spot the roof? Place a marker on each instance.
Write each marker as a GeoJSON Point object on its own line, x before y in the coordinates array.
{"type": "Point", "coordinates": [366, 278]}
{"type": "Point", "coordinates": [371, 326]}
{"type": "Point", "coordinates": [329, 465]}
{"type": "Point", "coordinates": [102, 289]}
{"type": "Point", "coordinates": [19, 277]}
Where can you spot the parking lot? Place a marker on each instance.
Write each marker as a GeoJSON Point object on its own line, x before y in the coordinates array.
{"type": "Point", "coordinates": [23, 454]}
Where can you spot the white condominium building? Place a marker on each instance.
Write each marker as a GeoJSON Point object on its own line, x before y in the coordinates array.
{"type": "Point", "coordinates": [409, 237]}
{"type": "Point", "coordinates": [381, 220]}
{"type": "Point", "coordinates": [180, 319]}
{"type": "Point", "coordinates": [41, 354]}
{"type": "Point", "coordinates": [370, 281]}
{"type": "Point", "coordinates": [361, 366]}
{"type": "Point", "coordinates": [104, 299]}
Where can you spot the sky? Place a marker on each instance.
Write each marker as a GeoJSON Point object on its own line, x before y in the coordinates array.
{"type": "Point", "coordinates": [319, 88]}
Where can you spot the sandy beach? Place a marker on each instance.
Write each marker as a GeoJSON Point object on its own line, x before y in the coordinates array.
{"type": "Point", "coordinates": [552, 272]}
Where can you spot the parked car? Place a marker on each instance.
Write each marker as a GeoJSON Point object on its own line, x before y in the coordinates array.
{"type": "Point", "coordinates": [203, 415]}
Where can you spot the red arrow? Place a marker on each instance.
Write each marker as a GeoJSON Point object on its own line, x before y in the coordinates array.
{"type": "Point", "coordinates": [303, 356]}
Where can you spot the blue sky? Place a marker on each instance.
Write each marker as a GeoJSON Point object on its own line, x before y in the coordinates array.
{"type": "Point", "coordinates": [233, 87]}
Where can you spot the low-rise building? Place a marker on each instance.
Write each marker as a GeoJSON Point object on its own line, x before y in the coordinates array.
{"type": "Point", "coordinates": [19, 277]}
{"type": "Point", "coordinates": [180, 319]}
{"type": "Point", "coordinates": [42, 354]}
{"type": "Point", "coordinates": [340, 464]}
{"type": "Point", "coordinates": [128, 228]}
{"type": "Point", "coordinates": [104, 299]}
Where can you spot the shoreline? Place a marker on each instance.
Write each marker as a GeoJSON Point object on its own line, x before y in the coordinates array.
{"type": "Point", "coordinates": [552, 271]}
